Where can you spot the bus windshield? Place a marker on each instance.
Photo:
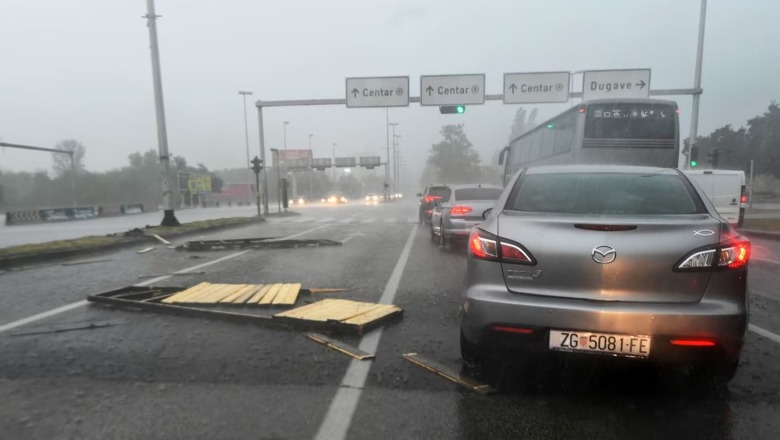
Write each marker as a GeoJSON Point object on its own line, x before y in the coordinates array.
{"type": "Point", "coordinates": [630, 121]}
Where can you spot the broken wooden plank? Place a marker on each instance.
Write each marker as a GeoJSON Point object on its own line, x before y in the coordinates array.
{"type": "Point", "coordinates": [260, 294]}
{"type": "Point", "coordinates": [373, 315]}
{"type": "Point", "coordinates": [220, 293]}
{"type": "Point", "coordinates": [232, 297]}
{"type": "Point", "coordinates": [157, 298]}
{"type": "Point", "coordinates": [161, 240]}
{"type": "Point", "coordinates": [272, 292]}
{"type": "Point", "coordinates": [69, 327]}
{"type": "Point", "coordinates": [447, 373]}
{"type": "Point", "coordinates": [205, 293]}
{"type": "Point", "coordinates": [329, 310]}
{"type": "Point", "coordinates": [180, 296]}
{"type": "Point", "coordinates": [341, 347]}
{"type": "Point", "coordinates": [324, 290]}
{"type": "Point", "coordinates": [250, 294]}
{"type": "Point", "coordinates": [145, 250]}
{"type": "Point", "coordinates": [289, 295]}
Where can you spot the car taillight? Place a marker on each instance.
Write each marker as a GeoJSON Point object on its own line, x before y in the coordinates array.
{"type": "Point", "coordinates": [733, 254]}
{"type": "Point", "coordinates": [460, 210]}
{"type": "Point", "coordinates": [429, 199]}
{"type": "Point", "coordinates": [486, 246]}
{"type": "Point", "coordinates": [743, 199]}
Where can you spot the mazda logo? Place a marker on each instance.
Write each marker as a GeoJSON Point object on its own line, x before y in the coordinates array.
{"type": "Point", "coordinates": [603, 254]}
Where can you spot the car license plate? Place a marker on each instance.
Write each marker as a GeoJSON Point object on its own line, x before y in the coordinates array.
{"type": "Point", "coordinates": [602, 343]}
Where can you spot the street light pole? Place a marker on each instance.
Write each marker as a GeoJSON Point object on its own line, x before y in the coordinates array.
{"type": "Point", "coordinates": [387, 138]}
{"type": "Point", "coordinates": [246, 137]}
{"type": "Point", "coordinates": [697, 82]}
{"type": "Point", "coordinates": [311, 170]}
{"type": "Point", "coordinates": [169, 217]}
{"type": "Point", "coordinates": [392, 124]}
{"type": "Point", "coordinates": [334, 165]}
{"type": "Point", "coordinates": [397, 165]}
{"type": "Point", "coordinates": [275, 153]}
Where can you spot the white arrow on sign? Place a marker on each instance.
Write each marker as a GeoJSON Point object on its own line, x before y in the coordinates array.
{"type": "Point", "coordinates": [390, 91]}
{"type": "Point", "coordinates": [452, 89]}
{"type": "Point", "coordinates": [606, 84]}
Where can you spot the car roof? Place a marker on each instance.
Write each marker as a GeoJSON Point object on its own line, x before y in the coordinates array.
{"type": "Point", "coordinates": [558, 169]}
{"type": "Point", "coordinates": [475, 185]}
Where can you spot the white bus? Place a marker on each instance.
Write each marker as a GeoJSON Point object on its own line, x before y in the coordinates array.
{"type": "Point", "coordinates": [615, 131]}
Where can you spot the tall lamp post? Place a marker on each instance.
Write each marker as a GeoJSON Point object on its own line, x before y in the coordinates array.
{"type": "Point", "coordinates": [392, 124]}
{"type": "Point", "coordinates": [246, 137]}
{"type": "Point", "coordinates": [311, 170]}
{"type": "Point", "coordinates": [275, 153]}
{"type": "Point", "coordinates": [334, 165]}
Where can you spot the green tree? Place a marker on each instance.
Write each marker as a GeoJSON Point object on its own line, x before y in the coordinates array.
{"type": "Point", "coordinates": [455, 157]}
{"type": "Point", "coordinates": [763, 141]}
{"type": "Point", "coordinates": [62, 162]}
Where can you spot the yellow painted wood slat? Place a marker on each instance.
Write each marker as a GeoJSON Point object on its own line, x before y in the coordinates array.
{"type": "Point", "coordinates": [205, 292]}
{"type": "Point", "coordinates": [229, 289]}
{"type": "Point", "coordinates": [269, 297]}
{"type": "Point", "coordinates": [330, 309]}
{"type": "Point", "coordinates": [260, 294]}
{"type": "Point", "coordinates": [372, 315]}
{"type": "Point", "coordinates": [186, 293]}
{"type": "Point", "coordinates": [289, 296]}
{"type": "Point", "coordinates": [205, 297]}
{"type": "Point", "coordinates": [256, 288]}
{"type": "Point", "coordinates": [238, 293]}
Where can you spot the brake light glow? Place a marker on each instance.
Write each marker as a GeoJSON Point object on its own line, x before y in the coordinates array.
{"type": "Point", "coordinates": [732, 254]}
{"type": "Point", "coordinates": [743, 199]}
{"type": "Point", "coordinates": [460, 210]}
{"type": "Point", "coordinates": [482, 247]}
{"type": "Point", "coordinates": [582, 109]}
{"type": "Point", "coordinates": [507, 329]}
{"type": "Point", "coordinates": [429, 199]}
{"type": "Point", "coordinates": [693, 342]}
{"type": "Point", "coordinates": [514, 253]}
{"type": "Point", "coordinates": [677, 111]}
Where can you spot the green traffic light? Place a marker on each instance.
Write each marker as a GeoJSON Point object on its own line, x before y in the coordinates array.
{"type": "Point", "coordinates": [460, 109]}
{"type": "Point", "coordinates": [551, 125]}
{"type": "Point", "coordinates": [694, 163]}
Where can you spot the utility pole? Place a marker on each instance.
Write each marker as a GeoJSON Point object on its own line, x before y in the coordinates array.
{"type": "Point", "coordinates": [697, 80]}
{"type": "Point", "coordinates": [246, 136]}
{"type": "Point", "coordinates": [169, 218]}
{"type": "Point", "coordinates": [387, 138]}
{"type": "Point", "coordinates": [262, 156]}
{"type": "Point", "coordinates": [392, 124]}
{"type": "Point", "coordinates": [311, 171]}
{"type": "Point", "coordinates": [334, 165]}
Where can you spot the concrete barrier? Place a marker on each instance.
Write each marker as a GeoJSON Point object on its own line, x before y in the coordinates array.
{"type": "Point", "coordinates": [17, 217]}
{"type": "Point", "coordinates": [80, 213]}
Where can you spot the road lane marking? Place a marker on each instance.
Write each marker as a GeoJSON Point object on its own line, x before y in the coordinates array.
{"type": "Point", "coordinates": [342, 407]}
{"type": "Point", "coordinates": [765, 333]}
{"type": "Point", "coordinates": [71, 306]}
{"type": "Point", "coordinates": [325, 220]}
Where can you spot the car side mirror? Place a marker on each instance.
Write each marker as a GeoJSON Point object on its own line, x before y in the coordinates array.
{"type": "Point", "coordinates": [486, 213]}
{"type": "Point", "coordinates": [419, 194]}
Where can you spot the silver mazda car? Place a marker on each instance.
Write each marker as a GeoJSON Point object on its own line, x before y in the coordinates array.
{"type": "Point", "coordinates": [615, 261]}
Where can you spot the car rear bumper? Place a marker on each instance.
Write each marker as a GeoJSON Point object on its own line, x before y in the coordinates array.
{"type": "Point", "coordinates": [459, 228]}
{"type": "Point", "coordinates": [486, 306]}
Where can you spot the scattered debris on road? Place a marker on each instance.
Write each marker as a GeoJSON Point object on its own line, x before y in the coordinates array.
{"type": "Point", "coordinates": [254, 243]}
{"type": "Point", "coordinates": [449, 374]}
{"type": "Point", "coordinates": [161, 240]}
{"type": "Point", "coordinates": [329, 315]}
{"type": "Point", "coordinates": [238, 294]}
{"type": "Point", "coordinates": [340, 347]}
{"type": "Point", "coordinates": [318, 291]}
{"type": "Point", "coordinates": [145, 250]}
{"type": "Point", "coordinates": [78, 263]}
{"type": "Point", "coordinates": [60, 328]}
{"type": "Point", "coordinates": [176, 274]}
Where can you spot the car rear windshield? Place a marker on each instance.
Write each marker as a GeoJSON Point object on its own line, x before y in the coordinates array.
{"type": "Point", "coordinates": [478, 193]}
{"type": "Point", "coordinates": [440, 191]}
{"type": "Point", "coordinates": [604, 193]}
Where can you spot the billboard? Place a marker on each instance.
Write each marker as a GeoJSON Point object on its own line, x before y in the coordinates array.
{"type": "Point", "coordinates": [370, 161]}
{"type": "Point", "coordinates": [199, 183]}
{"type": "Point", "coordinates": [345, 162]}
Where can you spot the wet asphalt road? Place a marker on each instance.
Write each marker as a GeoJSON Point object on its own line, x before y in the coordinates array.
{"type": "Point", "coordinates": [161, 376]}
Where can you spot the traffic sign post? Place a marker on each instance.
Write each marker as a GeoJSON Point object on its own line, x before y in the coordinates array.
{"type": "Point", "coordinates": [389, 91]}
{"type": "Point", "coordinates": [536, 87]}
{"type": "Point", "coordinates": [452, 89]}
{"type": "Point", "coordinates": [606, 84]}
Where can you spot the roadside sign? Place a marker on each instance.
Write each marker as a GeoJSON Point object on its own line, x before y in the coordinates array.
{"type": "Point", "coordinates": [320, 163]}
{"type": "Point", "coordinates": [370, 161]}
{"type": "Point", "coordinates": [452, 89]}
{"type": "Point", "coordinates": [389, 91]}
{"type": "Point", "coordinates": [346, 162]}
{"type": "Point", "coordinates": [605, 84]}
{"type": "Point", "coordinates": [522, 88]}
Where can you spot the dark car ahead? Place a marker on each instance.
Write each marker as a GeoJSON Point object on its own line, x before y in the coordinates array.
{"type": "Point", "coordinates": [428, 199]}
{"type": "Point", "coordinates": [606, 261]}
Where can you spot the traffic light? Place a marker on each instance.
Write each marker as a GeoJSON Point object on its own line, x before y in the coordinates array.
{"type": "Point", "coordinates": [257, 165]}
{"type": "Point", "coordinates": [450, 109]}
{"type": "Point", "coordinates": [694, 156]}
{"type": "Point", "coordinates": [714, 156]}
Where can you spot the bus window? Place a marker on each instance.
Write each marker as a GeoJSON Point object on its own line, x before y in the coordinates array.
{"type": "Point", "coordinates": [548, 142]}
{"type": "Point", "coordinates": [630, 121]}
{"type": "Point", "coordinates": [566, 128]}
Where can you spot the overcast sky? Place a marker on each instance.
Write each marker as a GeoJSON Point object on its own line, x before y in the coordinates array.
{"type": "Point", "coordinates": [81, 69]}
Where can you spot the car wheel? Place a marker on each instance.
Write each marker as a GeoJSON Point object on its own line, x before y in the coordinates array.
{"type": "Point", "coordinates": [422, 218]}
{"type": "Point", "coordinates": [442, 238]}
{"type": "Point", "coordinates": [433, 235]}
{"type": "Point", "coordinates": [470, 357]}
